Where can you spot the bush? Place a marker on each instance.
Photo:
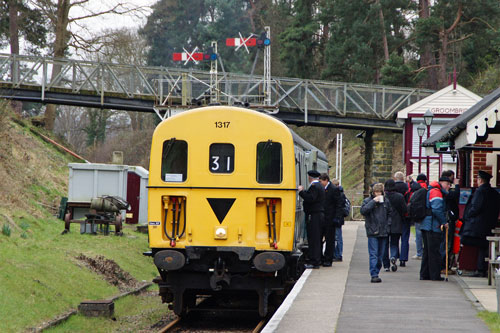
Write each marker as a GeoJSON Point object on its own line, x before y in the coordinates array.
{"type": "Point", "coordinates": [25, 225]}
{"type": "Point", "coordinates": [24, 235]}
{"type": "Point", "coordinates": [6, 230]}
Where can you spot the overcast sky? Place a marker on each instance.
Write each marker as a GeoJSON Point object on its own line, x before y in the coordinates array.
{"type": "Point", "coordinates": [110, 21]}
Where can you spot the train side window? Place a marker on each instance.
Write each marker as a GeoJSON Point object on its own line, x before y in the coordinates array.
{"type": "Point", "coordinates": [221, 158]}
{"type": "Point", "coordinates": [269, 162]}
{"type": "Point", "coordinates": [174, 160]}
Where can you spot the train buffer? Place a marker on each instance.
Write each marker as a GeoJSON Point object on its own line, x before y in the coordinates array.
{"type": "Point", "coordinates": [341, 298]}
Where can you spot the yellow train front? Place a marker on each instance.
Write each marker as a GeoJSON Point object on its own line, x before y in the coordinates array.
{"type": "Point", "coordinates": [222, 205]}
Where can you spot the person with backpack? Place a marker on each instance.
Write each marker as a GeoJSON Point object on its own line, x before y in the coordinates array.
{"type": "Point", "coordinates": [346, 208]}
{"type": "Point", "coordinates": [377, 212]}
{"type": "Point", "coordinates": [416, 210]}
{"type": "Point", "coordinates": [398, 213]}
{"type": "Point", "coordinates": [333, 206]}
{"type": "Point", "coordinates": [432, 226]}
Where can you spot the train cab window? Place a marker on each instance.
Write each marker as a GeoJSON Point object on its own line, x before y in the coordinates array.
{"type": "Point", "coordinates": [221, 158]}
{"type": "Point", "coordinates": [269, 162]}
{"type": "Point", "coordinates": [174, 160]}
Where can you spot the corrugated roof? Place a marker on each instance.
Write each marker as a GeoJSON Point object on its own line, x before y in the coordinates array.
{"type": "Point", "coordinates": [451, 130]}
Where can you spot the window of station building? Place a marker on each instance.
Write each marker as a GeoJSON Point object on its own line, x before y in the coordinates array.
{"type": "Point", "coordinates": [269, 162]}
{"type": "Point", "coordinates": [174, 160]}
{"type": "Point", "coordinates": [221, 158]}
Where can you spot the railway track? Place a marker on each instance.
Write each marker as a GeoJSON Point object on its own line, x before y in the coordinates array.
{"type": "Point", "coordinates": [176, 326]}
{"type": "Point", "coordinates": [208, 316]}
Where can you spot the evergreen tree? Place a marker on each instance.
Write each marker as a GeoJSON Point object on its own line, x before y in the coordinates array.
{"type": "Point", "coordinates": [300, 40]}
{"type": "Point", "coordinates": [359, 31]}
{"type": "Point", "coordinates": [177, 24]}
{"type": "Point", "coordinates": [397, 73]}
{"type": "Point", "coordinates": [459, 33]}
{"type": "Point", "coordinates": [31, 26]}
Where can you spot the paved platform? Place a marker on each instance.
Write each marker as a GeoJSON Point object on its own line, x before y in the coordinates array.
{"type": "Point", "coordinates": [342, 299]}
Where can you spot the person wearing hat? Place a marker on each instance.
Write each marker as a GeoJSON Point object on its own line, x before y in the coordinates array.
{"type": "Point", "coordinates": [421, 183]}
{"type": "Point", "coordinates": [432, 226]}
{"type": "Point", "coordinates": [451, 200]}
{"type": "Point", "coordinates": [333, 214]}
{"type": "Point", "coordinates": [314, 198]}
{"type": "Point", "coordinates": [480, 216]}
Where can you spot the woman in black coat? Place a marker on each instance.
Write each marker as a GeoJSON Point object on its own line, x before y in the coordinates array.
{"type": "Point", "coordinates": [398, 213]}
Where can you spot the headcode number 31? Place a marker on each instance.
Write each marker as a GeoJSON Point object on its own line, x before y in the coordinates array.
{"type": "Point", "coordinates": [222, 124]}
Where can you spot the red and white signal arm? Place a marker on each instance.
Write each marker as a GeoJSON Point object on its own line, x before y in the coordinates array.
{"type": "Point", "coordinates": [184, 56]}
{"type": "Point", "coordinates": [240, 41]}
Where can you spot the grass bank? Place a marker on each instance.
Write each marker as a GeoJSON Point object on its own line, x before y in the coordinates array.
{"type": "Point", "coordinates": [40, 275]}
{"type": "Point", "coordinates": [492, 319]}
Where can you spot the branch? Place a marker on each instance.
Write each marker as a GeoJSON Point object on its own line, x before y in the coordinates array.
{"type": "Point", "coordinates": [77, 3]}
{"type": "Point", "coordinates": [457, 19]}
{"type": "Point", "coordinates": [421, 69]}
{"type": "Point", "coordinates": [481, 20]}
{"type": "Point", "coordinates": [46, 7]}
{"type": "Point", "coordinates": [460, 39]}
{"type": "Point", "coordinates": [115, 10]}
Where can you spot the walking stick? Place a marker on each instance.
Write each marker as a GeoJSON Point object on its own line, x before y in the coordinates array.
{"type": "Point", "coordinates": [446, 238]}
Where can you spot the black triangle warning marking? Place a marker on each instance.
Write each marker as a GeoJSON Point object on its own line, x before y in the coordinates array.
{"type": "Point", "coordinates": [220, 207]}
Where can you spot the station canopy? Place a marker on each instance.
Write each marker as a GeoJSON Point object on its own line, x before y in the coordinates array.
{"type": "Point", "coordinates": [472, 126]}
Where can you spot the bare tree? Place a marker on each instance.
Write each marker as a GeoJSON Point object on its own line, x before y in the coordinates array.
{"type": "Point", "coordinates": [58, 14]}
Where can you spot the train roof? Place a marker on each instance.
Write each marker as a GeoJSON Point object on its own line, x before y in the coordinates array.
{"type": "Point", "coordinates": [306, 145]}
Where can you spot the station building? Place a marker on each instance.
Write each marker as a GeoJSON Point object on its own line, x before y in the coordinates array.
{"type": "Point", "coordinates": [475, 137]}
{"type": "Point", "coordinates": [445, 105]}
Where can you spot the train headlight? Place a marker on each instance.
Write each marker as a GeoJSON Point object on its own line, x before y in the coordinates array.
{"type": "Point", "coordinates": [220, 232]}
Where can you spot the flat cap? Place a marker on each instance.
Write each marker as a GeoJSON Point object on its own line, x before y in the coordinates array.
{"type": "Point", "coordinates": [313, 173]}
{"type": "Point", "coordinates": [484, 175]}
{"type": "Point", "coordinates": [445, 179]}
{"type": "Point", "coordinates": [421, 176]}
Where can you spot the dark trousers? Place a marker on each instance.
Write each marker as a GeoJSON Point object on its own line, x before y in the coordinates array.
{"type": "Point", "coordinates": [482, 254]}
{"type": "Point", "coordinates": [314, 223]}
{"type": "Point", "coordinates": [393, 245]}
{"type": "Point", "coordinates": [431, 256]}
{"type": "Point", "coordinates": [405, 241]}
{"type": "Point", "coordinates": [328, 234]}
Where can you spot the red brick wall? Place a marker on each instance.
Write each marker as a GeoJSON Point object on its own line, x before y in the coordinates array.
{"type": "Point", "coordinates": [479, 160]}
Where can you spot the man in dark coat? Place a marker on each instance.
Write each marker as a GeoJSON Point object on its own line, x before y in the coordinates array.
{"type": "Point", "coordinates": [421, 183]}
{"type": "Point", "coordinates": [480, 216]}
{"type": "Point", "coordinates": [398, 206]}
{"type": "Point", "coordinates": [333, 215]}
{"type": "Point", "coordinates": [401, 186]}
{"type": "Point", "coordinates": [313, 197]}
{"type": "Point", "coordinates": [451, 199]}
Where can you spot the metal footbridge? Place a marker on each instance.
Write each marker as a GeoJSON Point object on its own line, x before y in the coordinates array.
{"type": "Point", "coordinates": [170, 90]}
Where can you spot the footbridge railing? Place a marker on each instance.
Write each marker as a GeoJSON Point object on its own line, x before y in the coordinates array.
{"type": "Point", "coordinates": [177, 88]}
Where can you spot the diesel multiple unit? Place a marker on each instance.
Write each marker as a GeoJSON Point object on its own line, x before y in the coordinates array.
{"type": "Point", "coordinates": [223, 210]}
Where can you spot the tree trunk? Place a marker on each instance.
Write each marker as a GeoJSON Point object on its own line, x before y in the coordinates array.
{"type": "Point", "coordinates": [60, 46]}
{"type": "Point", "coordinates": [443, 51]}
{"type": "Point", "coordinates": [427, 58]}
{"type": "Point", "coordinates": [384, 36]}
{"type": "Point", "coordinates": [14, 48]}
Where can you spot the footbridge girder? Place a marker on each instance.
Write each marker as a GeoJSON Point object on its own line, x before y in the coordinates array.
{"type": "Point", "coordinates": [167, 90]}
